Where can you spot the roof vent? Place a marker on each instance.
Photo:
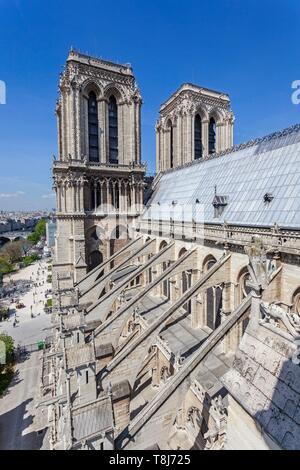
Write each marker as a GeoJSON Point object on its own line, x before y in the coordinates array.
{"type": "Point", "coordinates": [268, 197]}
{"type": "Point", "coordinates": [219, 203]}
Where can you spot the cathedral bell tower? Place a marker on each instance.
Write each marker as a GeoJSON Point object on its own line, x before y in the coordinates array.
{"type": "Point", "coordinates": [98, 174]}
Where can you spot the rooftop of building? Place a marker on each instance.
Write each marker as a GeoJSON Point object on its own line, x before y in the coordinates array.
{"type": "Point", "coordinates": [86, 59]}
{"type": "Point", "coordinates": [260, 180]}
{"type": "Point", "coordinates": [80, 355]}
{"type": "Point", "coordinates": [197, 89]}
{"type": "Point", "coordinates": [92, 418]}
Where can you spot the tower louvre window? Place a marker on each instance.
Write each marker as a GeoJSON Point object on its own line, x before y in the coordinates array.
{"type": "Point", "coordinates": [113, 130]}
{"type": "Point", "coordinates": [198, 137]}
{"type": "Point", "coordinates": [212, 136]}
{"type": "Point", "coordinates": [171, 144]}
{"type": "Point", "coordinates": [93, 128]}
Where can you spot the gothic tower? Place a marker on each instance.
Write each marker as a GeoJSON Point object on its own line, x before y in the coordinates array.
{"type": "Point", "coordinates": [194, 123]}
{"type": "Point", "coordinates": [98, 176]}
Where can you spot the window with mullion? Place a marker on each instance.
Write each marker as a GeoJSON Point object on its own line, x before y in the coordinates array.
{"type": "Point", "coordinates": [113, 130]}
{"type": "Point", "coordinates": [93, 128]}
{"type": "Point", "coordinates": [198, 137]}
{"type": "Point", "coordinates": [212, 136]}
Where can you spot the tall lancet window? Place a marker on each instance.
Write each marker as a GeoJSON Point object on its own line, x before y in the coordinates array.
{"type": "Point", "coordinates": [198, 137]}
{"type": "Point", "coordinates": [113, 130]}
{"type": "Point", "coordinates": [212, 136]}
{"type": "Point", "coordinates": [171, 144]}
{"type": "Point", "coordinates": [93, 128]}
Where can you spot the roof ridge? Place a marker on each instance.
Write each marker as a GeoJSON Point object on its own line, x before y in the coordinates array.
{"type": "Point", "coordinates": [241, 146]}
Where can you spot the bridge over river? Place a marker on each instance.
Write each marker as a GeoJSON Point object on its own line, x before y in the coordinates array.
{"type": "Point", "coordinates": [6, 237]}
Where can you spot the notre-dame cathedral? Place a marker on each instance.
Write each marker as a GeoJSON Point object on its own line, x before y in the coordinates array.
{"type": "Point", "coordinates": [176, 319]}
{"type": "Point", "coordinates": [99, 171]}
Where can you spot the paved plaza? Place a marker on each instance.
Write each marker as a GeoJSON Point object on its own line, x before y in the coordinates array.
{"type": "Point", "coordinates": [28, 329]}
{"type": "Point", "coordinates": [17, 406]}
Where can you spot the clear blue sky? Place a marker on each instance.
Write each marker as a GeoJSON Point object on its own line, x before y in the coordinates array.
{"type": "Point", "coordinates": [247, 48]}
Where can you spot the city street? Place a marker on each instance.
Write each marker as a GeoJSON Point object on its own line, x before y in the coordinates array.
{"type": "Point", "coordinates": [29, 330]}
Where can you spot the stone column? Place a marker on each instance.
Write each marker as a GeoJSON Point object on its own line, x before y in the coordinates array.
{"type": "Point", "coordinates": [77, 123]}
{"type": "Point", "coordinates": [102, 112]}
{"type": "Point", "coordinates": [65, 197]}
{"type": "Point", "coordinates": [138, 132]}
{"type": "Point", "coordinates": [188, 138]}
{"type": "Point", "coordinates": [132, 193]}
{"type": "Point", "coordinates": [80, 207]}
{"type": "Point", "coordinates": [122, 116]}
{"type": "Point", "coordinates": [191, 136]}
{"type": "Point", "coordinates": [120, 195]}
{"type": "Point", "coordinates": [219, 141]}
{"type": "Point", "coordinates": [107, 192]}
{"type": "Point", "coordinates": [59, 130]}
{"type": "Point", "coordinates": [198, 311]}
{"type": "Point", "coordinates": [178, 133]}
{"type": "Point", "coordinates": [226, 298]}
{"type": "Point", "coordinates": [157, 140]}
{"type": "Point", "coordinates": [64, 127]}
{"type": "Point", "coordinates": [85, 124]}
{"type": "Point", "coordinates": [101, 193]}
{"type": "Point", "coordinates": [184, 137]}
{"type": "Point", "coordinates": [58, 197]}
{"type": "Point", "coordinates": [95, 195]}
{"type": "Point", "coordinates": [74, 187]}
{"type": "Point", "coordinates": [204, 137]}
{"type": "Point", "coordinates": [114, 202]}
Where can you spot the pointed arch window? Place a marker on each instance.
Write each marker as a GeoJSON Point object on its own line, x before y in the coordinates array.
{"type": "Point", "coordinates": [198, 137]}
{"type": "Point", "coordinates": [93, 128]}
{"type": "Point", "coordinates": [212, 136]}
{"type": "Point", "coordinates": [113, 130]}
{"type": "Point", "coordinates": [171, 144]}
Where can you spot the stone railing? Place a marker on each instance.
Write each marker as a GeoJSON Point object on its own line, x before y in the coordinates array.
{"type": "Point", "coordinates": [274, 238]}
{"type": "Point", "coordinates": [85, 164]}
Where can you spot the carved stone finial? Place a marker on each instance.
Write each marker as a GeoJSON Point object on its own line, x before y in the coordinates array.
{"type": "Point", "coordinates": [257, 263]}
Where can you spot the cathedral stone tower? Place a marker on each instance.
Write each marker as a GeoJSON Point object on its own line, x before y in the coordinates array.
{"type": "Point", "coordinates": [194, 123]}
{"type": "Point", "coordinates": [98, 175]}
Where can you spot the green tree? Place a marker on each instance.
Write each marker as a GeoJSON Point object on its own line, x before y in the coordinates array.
{"type": "Point", "coordinates": [5, 266]}
{"type": "Point", "coordinates": [9, 349]}
{"type": "Point", "coordinates": [40, 228]}
{"type": "Point", "coordinates": [39, 231]}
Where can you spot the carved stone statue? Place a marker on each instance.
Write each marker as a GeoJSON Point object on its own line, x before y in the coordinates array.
{"type": "Point", "coordinates": [276, 316]}
{"type": "Point", "coordinates": [216, 434]}
{"type": "Point", "coordinates": [257, 262]}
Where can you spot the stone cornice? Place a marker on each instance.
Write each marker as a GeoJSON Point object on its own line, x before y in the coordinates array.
{"type": "Point", "coordinates": [195, 96]}
{"type": "Point", "coordinates": [88, 60]}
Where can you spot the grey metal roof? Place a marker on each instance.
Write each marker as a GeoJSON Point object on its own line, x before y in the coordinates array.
{"type": "Point", "coordinates": [92, 418]}
{"type": "Point", "coordinates": [243, 175]}
{"type": "Point", "coordinates": [80, 354]}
